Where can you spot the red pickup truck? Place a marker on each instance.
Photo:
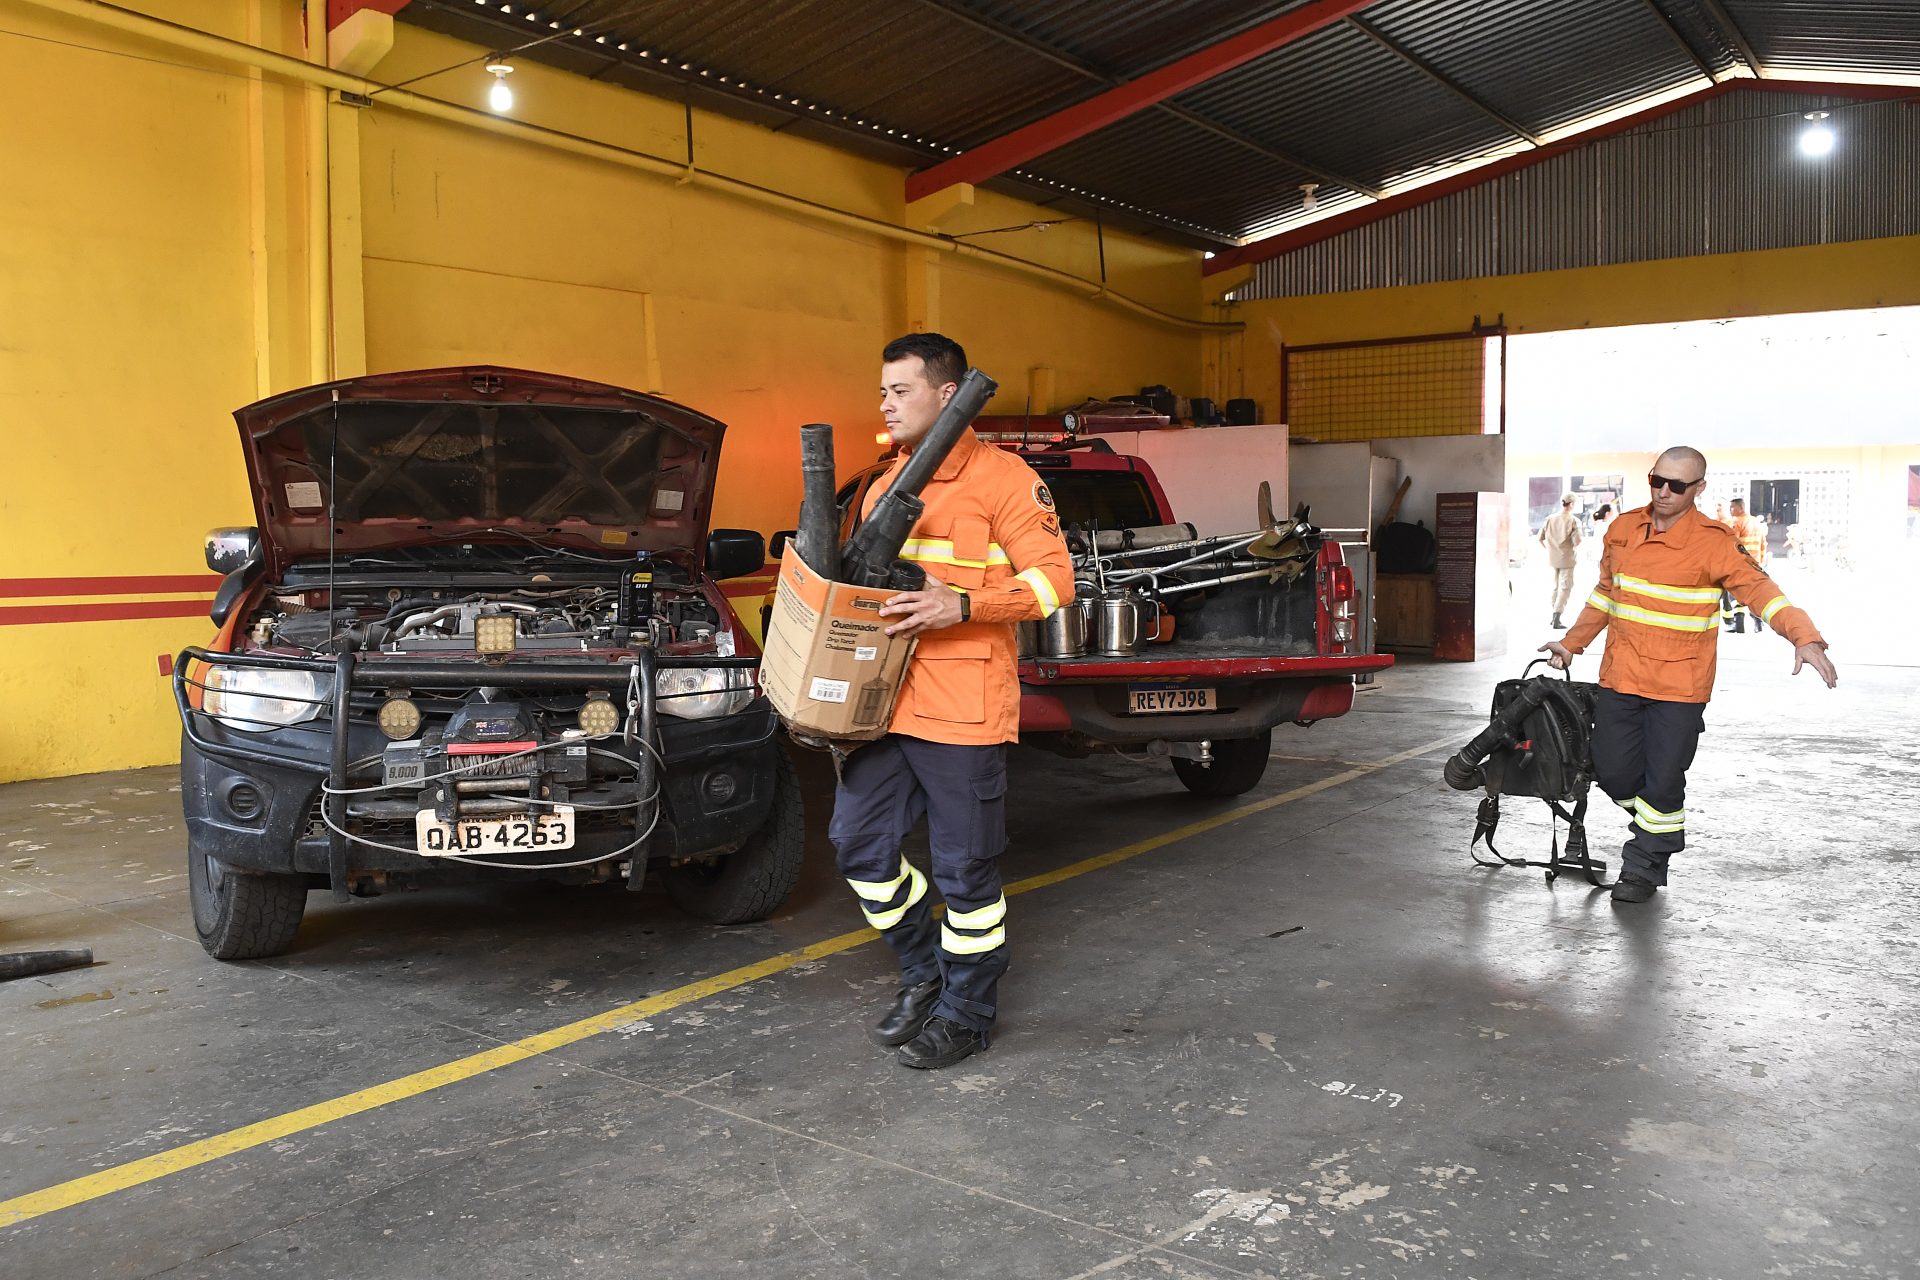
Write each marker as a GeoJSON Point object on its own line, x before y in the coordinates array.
{"type": "Point", "coordinates": [1242, 657]}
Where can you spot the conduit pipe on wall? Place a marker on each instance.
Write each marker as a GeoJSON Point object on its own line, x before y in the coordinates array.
{"type": "Point", "coordinates": [319, 206]}
{"type": "Point", "coordinates": [207, 44]}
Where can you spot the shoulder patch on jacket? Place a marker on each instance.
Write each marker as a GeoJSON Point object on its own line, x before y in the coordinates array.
{"type": "Point", "coordinates": [1041, 496]}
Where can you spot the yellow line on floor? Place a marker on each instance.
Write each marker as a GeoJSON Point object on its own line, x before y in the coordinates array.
{"type": "Point", "coordinates": [93, 1186]}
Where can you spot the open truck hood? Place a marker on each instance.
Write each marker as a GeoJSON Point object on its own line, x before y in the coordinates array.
{"type": "Point", "coordinates": [440, 455]}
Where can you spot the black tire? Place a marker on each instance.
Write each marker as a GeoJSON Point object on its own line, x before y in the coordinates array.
{"type": "Point", "coordinates": [1238, 765]}
{"type": "Point", "coordinates": [241, 916]}
{"type": "Point", "coordinates": [750, 883]}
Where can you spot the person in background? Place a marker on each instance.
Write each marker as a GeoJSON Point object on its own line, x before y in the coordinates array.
{"type": "Point", "coordinates": [1560, 535]}
{"type": "Point", "coordinates": [1753, 540]}
{"type": "Point", "coordinates": [1661, 574]}
{"type": "Point", "coordinates": [1599, 521]}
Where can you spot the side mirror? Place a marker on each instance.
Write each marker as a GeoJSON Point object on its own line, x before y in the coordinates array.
{"type": "Point", "coordinates": [734, 553]}
{"type": "Point", "coordinates": [777, 545]}
{"type": "Point", "coordinates": [234, 548]}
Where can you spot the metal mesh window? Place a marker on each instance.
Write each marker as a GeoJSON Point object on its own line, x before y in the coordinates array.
{"type": "Point", "coordinates": [1429, 385]}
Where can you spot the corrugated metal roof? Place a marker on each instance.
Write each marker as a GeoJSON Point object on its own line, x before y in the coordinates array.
{"type": "Point", "coordinates": [1723, 176]}
{"type": "Point", "coordinates": [1544, 64]}
{"type": "Point", "coordinates": [1859, 36]}
{"type": "Point", "coordinates": [1349, 105]}
{"type": "Point", "coordinates": [1404, 88]}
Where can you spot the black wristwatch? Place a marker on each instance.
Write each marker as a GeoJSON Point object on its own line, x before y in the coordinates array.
{"type": "Point", "coordinates": [966, 606]}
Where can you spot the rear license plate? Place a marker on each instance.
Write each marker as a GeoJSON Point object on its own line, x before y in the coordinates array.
{"type": "Point", "coordinates": [1152, 699]}
{"type": "Point", "coordinates": [517, 834]}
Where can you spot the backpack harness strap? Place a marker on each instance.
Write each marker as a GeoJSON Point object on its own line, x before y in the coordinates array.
{"type": "Point", "coordinates": [1575, 857]}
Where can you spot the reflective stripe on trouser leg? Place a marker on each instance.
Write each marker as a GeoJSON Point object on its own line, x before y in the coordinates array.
{"type": "Point", "coordinates": [965, 789]}
{"type": "Point", "coordinates": [886, 905]}
{"type": "Point", "coordinates": [877, 803]}
{"type": "Point", "coordinates": [1642, 749]}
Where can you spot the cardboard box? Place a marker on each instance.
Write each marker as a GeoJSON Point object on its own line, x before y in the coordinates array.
{"type": "Point", "coordinates": [828, 666]}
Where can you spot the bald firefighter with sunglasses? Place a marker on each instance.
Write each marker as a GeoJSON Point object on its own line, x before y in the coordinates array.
{"type": "Point", "coordinates": [1661, 573]}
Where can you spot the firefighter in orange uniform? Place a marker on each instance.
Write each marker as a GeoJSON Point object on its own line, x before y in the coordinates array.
{"type": "Point", "coordinates": [990, 542]}
{"type": "Point", "coordinates": [1752, 536]}
{"type": "Point", "coordinates": [1661, 575]}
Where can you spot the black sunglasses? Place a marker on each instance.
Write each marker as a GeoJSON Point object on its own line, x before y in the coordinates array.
{"type": "Point", "coordinates": [1677, 486]}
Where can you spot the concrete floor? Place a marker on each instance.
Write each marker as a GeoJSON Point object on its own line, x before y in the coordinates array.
{"type": "Point", "coordinates": [1311, 1040]}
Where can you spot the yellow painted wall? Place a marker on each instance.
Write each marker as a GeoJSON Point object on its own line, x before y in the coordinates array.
{"type": "Point", "coordinates": [128, 311]}
{"type": "Point", "coordinates": [152, 233]}
{"type": "Point", "coordinates": [1866, 273]}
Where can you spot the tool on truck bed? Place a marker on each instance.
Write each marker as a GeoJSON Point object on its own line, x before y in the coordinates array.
{"type": "Point", "coordinates": [1538, 742]}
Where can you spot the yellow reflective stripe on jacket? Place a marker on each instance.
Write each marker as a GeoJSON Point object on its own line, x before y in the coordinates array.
{"type": "Point", "coordinates": [1042, 590]}
{"type": "Point", "coordinates": [984, 918]}
{"type": "Point", "coordinates": [1774, 606]}
{"type": "Point", "coordinates": [967, 944]}
{"type": "Point", "coordinates": [1660, 591]}
{"type": "Point", "coordinates": [1603, 603]}
{"type": "Point", "coordinates": [940, 551]}
{"type": "Point", "coordinates": [1671, 621]}
{"type": "Point", "coordinates": [1655, 821]}
{"type": "Point", "coordinates": [884, 920]}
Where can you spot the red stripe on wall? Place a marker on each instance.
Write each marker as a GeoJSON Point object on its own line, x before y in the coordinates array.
{"type": "Point", "coordinates": [119, 611]}
{"type": "Point", "coordinates": [150, 585]}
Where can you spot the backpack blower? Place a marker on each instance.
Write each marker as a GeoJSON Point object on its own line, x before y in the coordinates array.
{"type": "Point", "coordinates": [1538, 742]}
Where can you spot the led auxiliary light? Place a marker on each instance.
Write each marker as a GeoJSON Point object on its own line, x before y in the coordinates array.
{"type": "Point", "coordinates": [495, 633]}
{"type": "Point", "coordinates": [599, 716]}
{"type": "Point", "coordinates": [1817, 139]}
{"type": "Point", "coordinates": [399, 718]}
{"type": "Point", "coordinates": [500, 96]}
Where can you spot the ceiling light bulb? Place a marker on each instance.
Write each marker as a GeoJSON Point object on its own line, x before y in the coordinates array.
{"type": "Point", "coordinates": [500, 96]}
{"type": "Point", "coordinates": [1817, 139]}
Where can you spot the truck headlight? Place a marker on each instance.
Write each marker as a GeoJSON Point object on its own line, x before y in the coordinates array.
{"type": "Point", "coordinates": [702, 693]}
{"type": "Point", "coordinates": [259, 698]}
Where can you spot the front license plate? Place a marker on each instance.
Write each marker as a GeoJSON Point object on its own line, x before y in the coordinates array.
{"type": "Point", "coordinates": [550, 830]}
{"type": "Point", "coordinates": [1151, 699]}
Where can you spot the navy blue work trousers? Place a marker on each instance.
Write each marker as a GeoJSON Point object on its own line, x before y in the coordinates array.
{"type": "Point", "coordinates": [886, 788]}
{"type": "Point", "coordinates": [1642, 748]}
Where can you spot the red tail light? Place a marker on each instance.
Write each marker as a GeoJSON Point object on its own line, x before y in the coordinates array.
{"type": "Point", "coordinates": [1340, 583]}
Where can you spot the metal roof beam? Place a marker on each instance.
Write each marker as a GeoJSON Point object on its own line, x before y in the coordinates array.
{"type": "Point", "coordinates": [1706, 68]}
{"type": "Point", "coordinates": [1441, 78]}
{"type": "Point", "coordinates": [1010, 150]}
{"type": "Point", "coordinates": [1089, 71]}
{"type": "Point", "coordinates": [1731, 30]}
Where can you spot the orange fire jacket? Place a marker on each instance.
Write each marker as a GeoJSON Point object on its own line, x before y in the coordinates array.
{"type": "Point", "coordinates": [1752, 536]}
{"type": "Point", "coordinates": [989, 530]}
{"type": "Point", "coordinates": [1659, 598]}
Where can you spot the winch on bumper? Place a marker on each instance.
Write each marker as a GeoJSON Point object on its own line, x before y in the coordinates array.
{"type": "Point", "coordinates": [497, 785]}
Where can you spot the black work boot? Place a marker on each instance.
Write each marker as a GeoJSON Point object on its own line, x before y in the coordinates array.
{"type": "Point", "coordinates": [1633, 888]}
{"type": "Point", "coordinates": [912, 1006]}
{"type": "Point", "coordinates": [1558, 623]}
{"type": "Point", "coordinates": [941, 1044]}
